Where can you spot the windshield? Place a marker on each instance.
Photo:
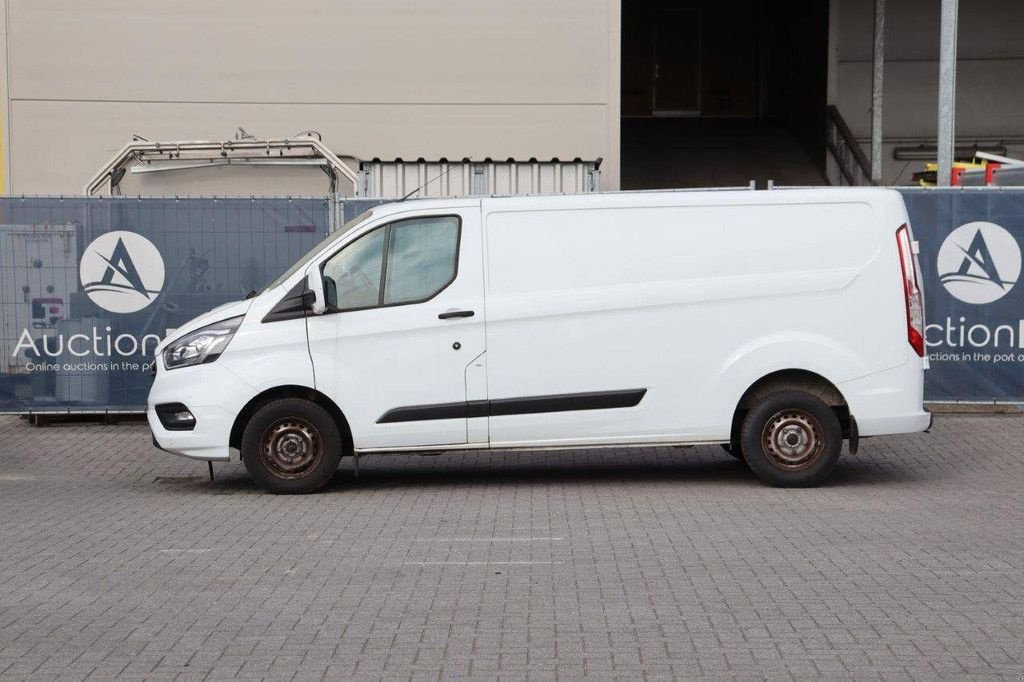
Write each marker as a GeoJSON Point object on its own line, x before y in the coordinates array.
{"type": "Point", "coordinates": [333, 236]}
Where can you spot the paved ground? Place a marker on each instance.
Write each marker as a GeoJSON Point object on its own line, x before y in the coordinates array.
{"type": "Point", "coordinates": [116, 559]}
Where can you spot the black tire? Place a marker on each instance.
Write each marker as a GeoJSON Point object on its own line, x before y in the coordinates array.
{"type": "Point", "coordinates": [791, 439]}
{"type": "Point", "coordinates": [733, 449]}
{"type": "Point", "coordinates": [291, 446]}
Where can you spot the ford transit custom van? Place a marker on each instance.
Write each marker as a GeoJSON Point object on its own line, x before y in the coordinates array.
{"type": "Point", "coordinates": [775, 324]}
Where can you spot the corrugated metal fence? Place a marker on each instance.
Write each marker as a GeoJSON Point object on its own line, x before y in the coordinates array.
{"type": "Point", "coordinates": [471, 178]}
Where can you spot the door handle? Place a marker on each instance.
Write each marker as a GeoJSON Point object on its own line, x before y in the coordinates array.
{"type": "Point", "coordinates": [449, 314]}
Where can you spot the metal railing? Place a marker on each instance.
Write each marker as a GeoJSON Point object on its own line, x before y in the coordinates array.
{"type": "Point", "coordinates": [849, 158]}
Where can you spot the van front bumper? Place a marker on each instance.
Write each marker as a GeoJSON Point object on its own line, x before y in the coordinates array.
{"type": "Point", "coordinates": [213, 395]}
{"type": "Point", "coordinates": [208, 441]}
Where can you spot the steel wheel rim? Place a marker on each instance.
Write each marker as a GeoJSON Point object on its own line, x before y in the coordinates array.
{"type": "Point", "coordinates": [291, 447]}
{"type": "Point", "coordinates": [792, 439]}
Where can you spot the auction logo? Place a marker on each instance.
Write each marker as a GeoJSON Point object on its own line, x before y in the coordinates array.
{"type": "Point", "coordinates": [979, 262]}
{"type": "Point", "coordinates": [122, 272]}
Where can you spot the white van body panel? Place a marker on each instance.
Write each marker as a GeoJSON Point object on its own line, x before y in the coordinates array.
{"type": "Point", "coordinates": [693, 296]}
{"type": "Point", "coordinates": [262, 357]}
{"type": "Point", "coordinates": [371, 361]}
{"type": "Point", "coordinates": [675, 302]}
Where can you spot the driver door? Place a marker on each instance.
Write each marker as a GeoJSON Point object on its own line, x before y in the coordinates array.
{"type": "Point", "coordinates": [401, 347]}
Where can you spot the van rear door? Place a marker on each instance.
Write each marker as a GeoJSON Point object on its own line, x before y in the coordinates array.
{"type": "Point", "coordinates": [400, 354]}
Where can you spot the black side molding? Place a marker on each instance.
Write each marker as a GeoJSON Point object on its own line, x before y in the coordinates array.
{"type": "Point", "coordinates": [565, 402]}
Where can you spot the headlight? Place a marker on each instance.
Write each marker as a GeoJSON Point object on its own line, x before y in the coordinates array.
{"type": "Point", "coordinates": [202, 345]}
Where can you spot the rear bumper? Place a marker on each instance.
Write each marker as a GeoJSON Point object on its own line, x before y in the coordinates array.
{"type": "Point", "coordinates": [904, 423]}
{"type": "Point", "coordinates": [889, 402]}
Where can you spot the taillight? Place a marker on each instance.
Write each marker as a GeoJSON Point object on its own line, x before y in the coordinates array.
{"type": "Point", "coordinates": [911, 291]}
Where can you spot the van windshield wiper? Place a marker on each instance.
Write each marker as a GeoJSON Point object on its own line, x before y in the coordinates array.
{"type": "Point", "coordinates": [251, 294]}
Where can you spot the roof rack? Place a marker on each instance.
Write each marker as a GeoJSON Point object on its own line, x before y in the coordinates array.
{"type": "Point", "coordinates": [143, 156]}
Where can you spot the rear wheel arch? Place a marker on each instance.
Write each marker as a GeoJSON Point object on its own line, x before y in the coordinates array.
{"type": "Point", "coordinates": [292, 391]}
{"type": "Point", "coordinates": [793, 380]}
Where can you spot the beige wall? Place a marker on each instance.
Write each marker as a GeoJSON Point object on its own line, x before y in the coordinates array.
{"type": "Point", "coordinates": [378, 78]}
{"type": "Point", "coordinates": [990, 74]}
{"type": "Point", "coordinates": [5, 152]}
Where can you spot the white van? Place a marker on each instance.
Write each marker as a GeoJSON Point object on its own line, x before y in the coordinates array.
{"type": "Point", "coordinates": [774, 323]}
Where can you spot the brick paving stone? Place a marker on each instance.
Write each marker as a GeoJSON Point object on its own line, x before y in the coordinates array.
{"type": "Point", "coordinates": [117, 560]}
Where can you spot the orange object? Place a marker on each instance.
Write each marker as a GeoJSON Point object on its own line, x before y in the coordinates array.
{"type": "Point", "coordinates": [990, 171]}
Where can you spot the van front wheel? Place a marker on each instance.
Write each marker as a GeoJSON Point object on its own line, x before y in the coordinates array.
{"type": "Point", "coordinates": [291, 446]}
{"type": "Point", "coordinates": [791, 439]}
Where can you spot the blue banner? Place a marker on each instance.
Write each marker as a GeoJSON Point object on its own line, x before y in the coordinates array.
{"type": "Point", "coordinates": [89, 286]}
{"type": "Point", "coordinates": [974, 302]}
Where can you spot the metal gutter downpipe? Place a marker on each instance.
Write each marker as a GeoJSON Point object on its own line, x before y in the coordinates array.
{"type": "Point", "coordinates": [947, 90]}
{"type": "Point", "coordinates": [877, 77]}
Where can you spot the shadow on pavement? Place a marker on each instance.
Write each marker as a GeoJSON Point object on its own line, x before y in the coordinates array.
{"type": "Point", "coordinates": [377, 473]}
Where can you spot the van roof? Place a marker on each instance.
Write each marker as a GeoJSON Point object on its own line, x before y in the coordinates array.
{"type": "Point", "coordinates": [661, 197]}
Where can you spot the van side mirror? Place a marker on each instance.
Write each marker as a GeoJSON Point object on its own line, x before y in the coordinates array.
{"type": "Point", "coordinates": [315, 287]}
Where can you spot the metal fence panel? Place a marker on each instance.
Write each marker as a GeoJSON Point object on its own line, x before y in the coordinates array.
{"type": "Point", "coordinates": [351, 208]}
{"type": "Point", "coordinates": [88, 286]}
{"type": "Point", "coordinates": [974, 303]}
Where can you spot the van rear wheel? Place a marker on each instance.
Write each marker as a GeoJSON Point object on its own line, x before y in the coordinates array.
{"type": "Point", "coordinates": [791, 439]}
{"type": "Point", "coordinates": [291, 446]}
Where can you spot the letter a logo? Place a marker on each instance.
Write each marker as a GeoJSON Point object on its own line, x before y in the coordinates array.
{"type": "Point", "coordinates": [978, 257]}
{"type": "Point", "coordinates": [122, 272]}
{"type": "Point", "coordinates": [979, 262]}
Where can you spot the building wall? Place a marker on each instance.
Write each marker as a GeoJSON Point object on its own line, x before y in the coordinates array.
{"type": "Point", "coordinates": [378, 78]}
{"type": "Point", "coordinates": [410, 79]}
{"type": "Point", "coordinates": [990, 75]}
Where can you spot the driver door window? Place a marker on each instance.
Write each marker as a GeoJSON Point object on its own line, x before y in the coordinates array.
{"type": "Point", "coordinates": [408, 261]}
{"type": "Point", "coordinates": [352, 276]}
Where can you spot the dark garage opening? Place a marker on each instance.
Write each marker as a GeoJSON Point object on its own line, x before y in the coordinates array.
{"type": "Point", "coordinates": [720, 93]}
